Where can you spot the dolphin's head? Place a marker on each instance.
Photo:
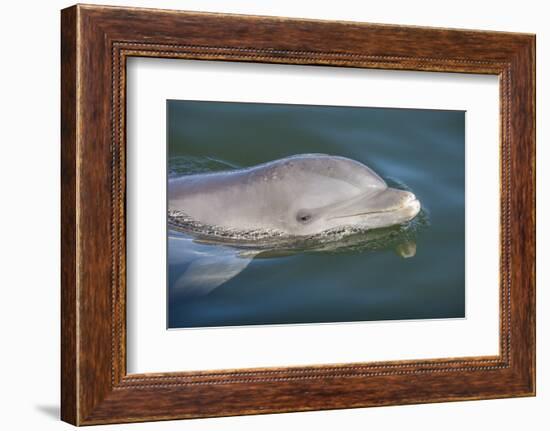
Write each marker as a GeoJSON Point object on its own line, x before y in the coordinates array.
{"type": "Point", "coordinates": [298, 195]}
{"type": "Point", "coordinates": [326, 192]}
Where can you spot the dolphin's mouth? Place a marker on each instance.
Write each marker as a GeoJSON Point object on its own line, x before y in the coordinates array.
{"type": "Point", "coordinates": [413, 204]}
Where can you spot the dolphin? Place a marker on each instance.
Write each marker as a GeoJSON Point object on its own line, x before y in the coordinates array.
{"type": "Point", "coordinates": [299, 195]}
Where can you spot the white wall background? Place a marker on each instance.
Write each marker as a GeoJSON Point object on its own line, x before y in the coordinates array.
{"type": "Point", "coordinates": [29, 215]}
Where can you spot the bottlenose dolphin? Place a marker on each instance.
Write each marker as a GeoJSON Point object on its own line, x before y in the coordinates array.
{"type": "Point", "coordinates": [300, 195]}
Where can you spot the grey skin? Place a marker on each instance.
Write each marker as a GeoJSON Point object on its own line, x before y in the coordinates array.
{"type": "Point", "coordinates": [299, 195]}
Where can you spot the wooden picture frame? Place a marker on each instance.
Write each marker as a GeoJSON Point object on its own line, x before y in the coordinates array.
{"type": "Point", "coordinates": [95, 43]}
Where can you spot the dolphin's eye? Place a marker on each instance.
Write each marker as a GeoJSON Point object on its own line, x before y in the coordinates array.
{"type": "Point", "coordinates": [303, 216]}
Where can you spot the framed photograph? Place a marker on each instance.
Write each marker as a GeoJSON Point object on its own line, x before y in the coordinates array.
{"type": "Point", "coordinates": [264, 214]}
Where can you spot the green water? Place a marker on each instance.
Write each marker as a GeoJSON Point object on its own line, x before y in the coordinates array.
{"type": "Point", "coordinates": [421, 150]}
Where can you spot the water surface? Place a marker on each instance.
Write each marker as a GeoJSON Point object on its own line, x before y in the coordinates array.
{"type": "Point", "coordinates": [362, 280]}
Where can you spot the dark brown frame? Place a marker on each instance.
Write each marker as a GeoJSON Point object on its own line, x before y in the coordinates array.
{"type": "Point", "coordinates": [95, 42]}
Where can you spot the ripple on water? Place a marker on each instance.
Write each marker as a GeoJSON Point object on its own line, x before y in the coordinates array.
{"type": "Point", "coordinates": [338, 240]}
